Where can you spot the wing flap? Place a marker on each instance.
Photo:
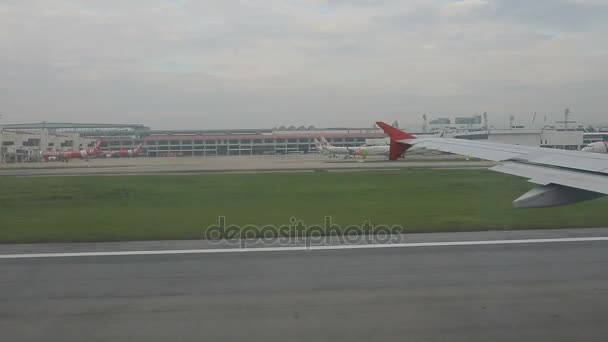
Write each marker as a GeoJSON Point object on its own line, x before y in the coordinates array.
{"type": "Point", "coordinates": [580, 162]}
{"type": "Point", "coordinates": [548, 175]}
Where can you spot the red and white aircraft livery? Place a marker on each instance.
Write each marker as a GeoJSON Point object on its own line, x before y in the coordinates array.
{"type": "Point", "coordinates": [562, 177]}
{"type": "Point", "coordinates": [126, 153]}
{"type": "Point", "coordinates": [72, 154]}
{"type": "Point", "coordinates": [597, 147]}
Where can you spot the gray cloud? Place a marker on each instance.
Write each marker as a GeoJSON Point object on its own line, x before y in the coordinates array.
{"type": "Point", "coordinates": [561, 15]}
{"type": "Point", "coordinates": [227, 63]}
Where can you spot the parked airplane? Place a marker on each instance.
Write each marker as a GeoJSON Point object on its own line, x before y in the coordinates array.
{"type": "Point", "coordinates": [72, 154]}
{"type": "Point", "coordinates": [597, 147]}
{"type": "Point", "coordinates": [365, 151]}
{"type": "Point", "coordinates": [362, 151]}
{"type": "Point", "coordinates": [125, 153]}
{"type": "Point", "coordinates": [562, 177]}
{"type": "Point", "coordinates": [333, 151]}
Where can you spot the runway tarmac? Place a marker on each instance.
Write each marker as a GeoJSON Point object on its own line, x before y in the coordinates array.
{"type": "Point", "coordinates": [550, 291]}
{"type": "Point", "coordinates": [230, 164]}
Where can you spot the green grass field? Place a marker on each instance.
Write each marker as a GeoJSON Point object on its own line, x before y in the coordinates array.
{"type": "Point", "coordinates": [108, 208]}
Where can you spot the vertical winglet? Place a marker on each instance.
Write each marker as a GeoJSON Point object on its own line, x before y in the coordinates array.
{"type": "Point", "coordinates": [396, 148]}
{"type": "Point", "coordinates": [393, 132]}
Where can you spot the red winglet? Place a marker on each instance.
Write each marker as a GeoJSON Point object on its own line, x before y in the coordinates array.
{"type": "Point", "coordinates": [397, 148]}
{"type": "Point", "coordinates": [394, 133]}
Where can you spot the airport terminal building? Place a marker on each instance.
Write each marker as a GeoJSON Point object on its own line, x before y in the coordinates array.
{"type": "Point", "coordinates": [162, 143]}
{"type": "Point", "coordinates": [245, 144]}
{"type": "Point", "coordinates": [25, 142]}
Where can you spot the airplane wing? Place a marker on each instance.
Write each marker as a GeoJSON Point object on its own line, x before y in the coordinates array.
{"type": "Point", "coordinates": [563, 177]}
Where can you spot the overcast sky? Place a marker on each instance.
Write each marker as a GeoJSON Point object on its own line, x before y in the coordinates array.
{"type": "Point", "coordinates": [228, 63]}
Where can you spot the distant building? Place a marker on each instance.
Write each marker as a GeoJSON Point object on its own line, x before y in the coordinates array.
{"type": "Point", "coordinates": [473, 122]}
{"type": "Point", "coordinates": [441, 121]}
{"type": "Point", "coordinates": [23, 145]}
{"type": "Point", "coordinates": [440, 124]}
{"type": "Point", "coordinates": [551, 138]}
{"type": "Point", "coordinates": [591, 137]}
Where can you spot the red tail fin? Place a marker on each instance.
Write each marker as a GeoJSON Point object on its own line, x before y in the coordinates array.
{"type": "Point", "coordinates": [397, 148]}
{"type": "Point", "coordinates": [97, 146]}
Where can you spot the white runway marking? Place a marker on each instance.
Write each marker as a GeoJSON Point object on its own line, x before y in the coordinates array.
{"type": "Point", "coordinates": [296, 248]}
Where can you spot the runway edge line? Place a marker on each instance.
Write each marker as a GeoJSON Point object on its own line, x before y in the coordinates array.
{"type": "Point", "coordinates": [297, 248]}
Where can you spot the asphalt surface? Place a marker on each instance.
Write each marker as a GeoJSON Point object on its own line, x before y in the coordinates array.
{"type": "Point", "coordinates": [230, 164]}
{"type": "Point", "coordinates": [522, 292]}
{"type": "Point", "coordinates": [160, 245]}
